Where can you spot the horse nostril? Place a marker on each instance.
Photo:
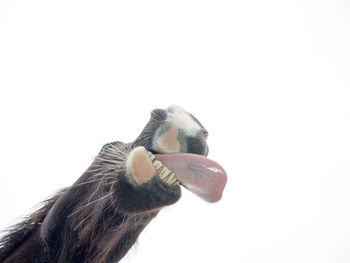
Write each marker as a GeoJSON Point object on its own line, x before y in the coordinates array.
{"type": "Point", "coordinates": [197, 145]}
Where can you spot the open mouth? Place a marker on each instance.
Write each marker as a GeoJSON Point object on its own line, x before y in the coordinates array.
{"type": "Point", "coordinates": [164, 173]}
{"type": "Point", "coordinates": [198, 174]}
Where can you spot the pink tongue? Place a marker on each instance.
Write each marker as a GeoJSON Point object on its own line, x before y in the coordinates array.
{"type": "Point", "coordinates": [200, 175]}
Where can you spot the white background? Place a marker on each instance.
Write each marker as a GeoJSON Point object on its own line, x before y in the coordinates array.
{"type": "Point", "coordinates": [268, 79]}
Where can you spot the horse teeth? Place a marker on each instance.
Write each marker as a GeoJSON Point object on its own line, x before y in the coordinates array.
{"type": "Point", "coordinates": [151, 156]}
{"type": "Point", "coordinates": [165, 178]}
{"type": "Point", "coordinates": [163, 172]}
{"type": "Point", "coordinates": [157, 164]}
{"type": "Point", "coordinates": [171, 179]}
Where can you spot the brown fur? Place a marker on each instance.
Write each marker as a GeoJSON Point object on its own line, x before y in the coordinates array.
{"type": "Point", "coordinates": [68, 229]}
{"type": "Point", "coordinates": [101, 215]}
